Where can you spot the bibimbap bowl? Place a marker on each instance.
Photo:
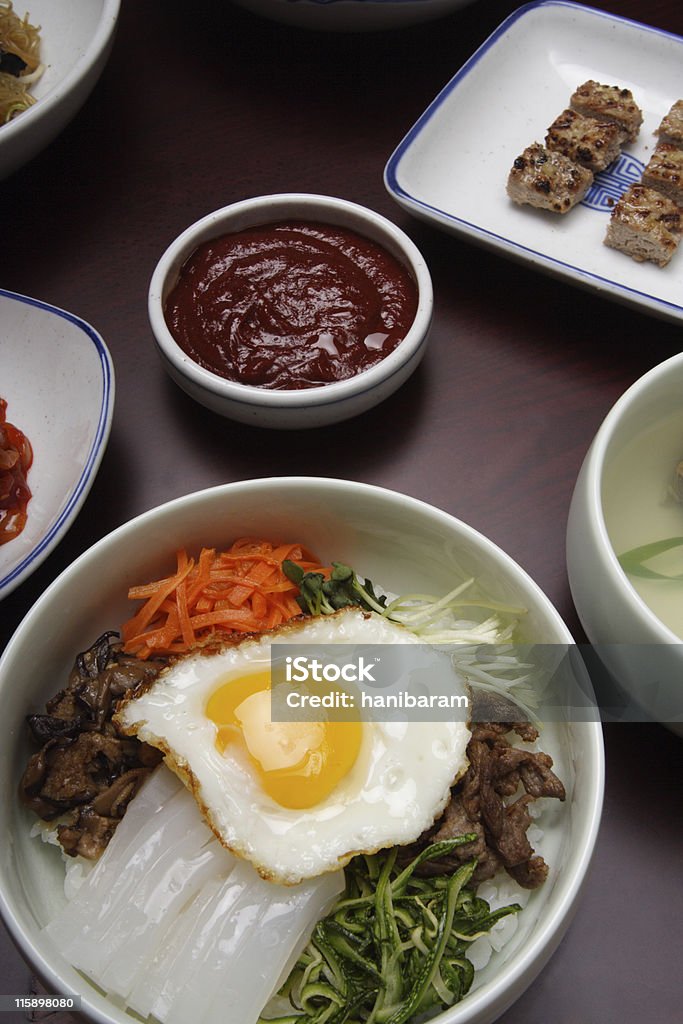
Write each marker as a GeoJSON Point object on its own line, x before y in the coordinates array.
{"type": "Point", "coordinates": [290, 407]}
{"type": "Point", "coordinates": [403, 545]}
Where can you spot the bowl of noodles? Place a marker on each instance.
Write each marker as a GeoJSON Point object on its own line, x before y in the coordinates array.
{"type": "Point", "coordinates": [51, 56]}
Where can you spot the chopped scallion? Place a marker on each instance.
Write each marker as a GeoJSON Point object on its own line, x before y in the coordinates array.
{"type": "Point", "coordinates": [633, 561]}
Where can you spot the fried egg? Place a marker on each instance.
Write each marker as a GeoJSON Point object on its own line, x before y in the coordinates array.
{"type": "Point", "coordinates": [296, 798]}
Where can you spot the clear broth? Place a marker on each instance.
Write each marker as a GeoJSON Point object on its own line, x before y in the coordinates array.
{"type": "Point", "coordinates": [639, 509]}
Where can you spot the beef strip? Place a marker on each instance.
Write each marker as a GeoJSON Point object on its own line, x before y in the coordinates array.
{"type": "Point", "coordinates": [94, 824]}
{"type": "Point", "coordinates": [76, 771]}
{"type": "Point", "coordinates": [99, 677]}
{"type": "Point", "coordinates": [455, 822]}
{"type": "Point", "coordinates": [497, 770]}
{"type": "Point", "coordinates": [531, 873]}
{"type": "Point", "coordinates": [85, 772]}
{"type": "Point", "coordinates": [89, 834]}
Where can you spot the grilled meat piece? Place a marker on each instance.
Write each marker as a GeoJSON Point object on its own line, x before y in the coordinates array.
{"type": "Point", "coordinates": [547, 180]}
{"type": "Point", "coordinates": [664, 172]}
{"type": "Point", "coordinates": [585, 140]}
{"type": "Point", "coordinates": [608, 103]}
{"type": "Point", "coordinates": [645, 225]}
{"type": "Point", "coordinates": [670, 129]}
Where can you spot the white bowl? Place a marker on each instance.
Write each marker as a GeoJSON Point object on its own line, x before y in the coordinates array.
{"type": "Point", "coordinates": [288, 409]}
{"type": "Point", "coordinates": [76, 38]}
{"type": "Point", "coordinates": [58, 380]}
{"type": "Point", "coordinates": [353, 15]}
{"type": "Point", "coordinates": [401, 543]}
{"type": "Point", "coordinates": [620, 501]}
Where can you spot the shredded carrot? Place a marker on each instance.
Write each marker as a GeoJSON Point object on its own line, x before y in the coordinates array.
{"type": "Point", "coordinates": [239, 591]}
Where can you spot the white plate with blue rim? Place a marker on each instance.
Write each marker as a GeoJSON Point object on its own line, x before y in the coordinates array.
{"type": "Point", "coordinates": [57, 378]}
{"type": "Point", "coordinates": [451, 168]}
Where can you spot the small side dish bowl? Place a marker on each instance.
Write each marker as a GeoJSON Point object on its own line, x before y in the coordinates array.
{"type": "Point", "coordinates": [292, 408]}
{"type": "Point", "coordinates": [403, 545]}
{"type": "Point", "coordinates": [353, 15]}
{"type": "Point", "coordinates": [76, 39]}
{"type": "Point", "coordinates": [57, 378]}
{"type": "Point", "coordinates": [623, 499]}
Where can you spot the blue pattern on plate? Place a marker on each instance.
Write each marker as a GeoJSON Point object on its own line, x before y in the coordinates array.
{"type": "Point", "coordinates": [610, 184]}
{"type": "Point", "coordinates": [433, 212]}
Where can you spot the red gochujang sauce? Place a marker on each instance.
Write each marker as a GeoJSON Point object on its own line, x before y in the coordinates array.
{"type": "Point", "coordinates": [291, 305]}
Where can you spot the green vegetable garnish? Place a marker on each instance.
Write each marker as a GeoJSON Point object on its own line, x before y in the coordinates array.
{"type": "Point", "coordinates": [394, 945]}
{"type": "Point", "coordinates": [423, 614]}
{"type": "Point", "coordinates": [318, 596]}
{"type": "Point", "coordinates": [446, 620]}
{"type": "Point", "coordinates": [633, 561]}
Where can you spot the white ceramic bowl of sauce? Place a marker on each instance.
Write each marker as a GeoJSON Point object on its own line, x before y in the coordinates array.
{"type": "Point", "coordinates": [621, 502]}
{"type": "Point", "coordinates": [294, 407]}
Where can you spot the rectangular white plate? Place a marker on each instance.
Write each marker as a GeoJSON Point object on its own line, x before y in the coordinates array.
{"type": "Point", "coordinates": [452, 166]}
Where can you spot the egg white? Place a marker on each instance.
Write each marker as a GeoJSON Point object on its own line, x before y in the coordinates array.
{"type": "Point", "coordinates": [397, 787]}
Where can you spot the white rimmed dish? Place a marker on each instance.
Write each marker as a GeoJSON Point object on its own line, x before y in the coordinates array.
{"type": "Point", "coordinates": [353, 15]}
{"type": "Point", "coordinates": [57, 377]}
{"type": "Point", "coordinates": [76, 39]}
{"type": "Point", "coordinates": [631, 459]}
{"type": "Point", "coordinates": [401, 543]}
{"type": "Point", "coordinates": [292, 409]}
{"type": "Point", "coordinates": [452, 166]}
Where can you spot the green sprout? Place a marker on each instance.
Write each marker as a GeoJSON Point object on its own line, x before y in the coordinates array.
{"type": "Point", "coordinates": [318, 596]}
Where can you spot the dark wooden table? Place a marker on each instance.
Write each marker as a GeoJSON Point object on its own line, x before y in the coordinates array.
{"type": "Point", "coordinates": [204, 104]}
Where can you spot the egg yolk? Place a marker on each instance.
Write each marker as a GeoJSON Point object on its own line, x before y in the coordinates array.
{"type": "Point", "coordinates": [298, 763]}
